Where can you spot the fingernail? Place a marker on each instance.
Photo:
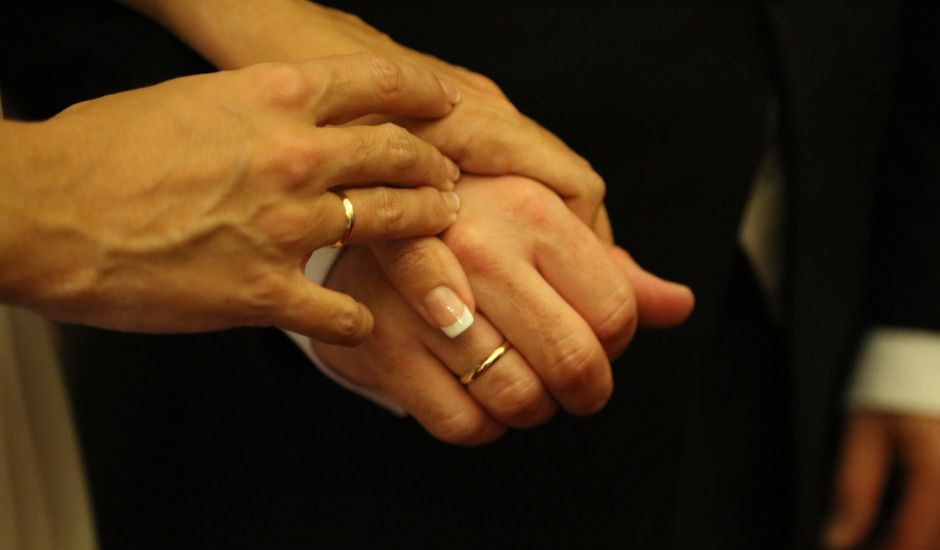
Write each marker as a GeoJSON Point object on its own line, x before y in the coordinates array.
{"type": "Point", "coordinates": [451, 199]}
{"type": "Point", "coordinates": [448, 311]}
{"type": "Point", "coordinates": [450, 91]}
{"type": "Point", "coordinates": [452, 169]}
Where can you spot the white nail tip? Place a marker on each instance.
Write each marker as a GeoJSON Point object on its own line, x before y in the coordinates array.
{"type": "Point", "coordinates": [460, 325]}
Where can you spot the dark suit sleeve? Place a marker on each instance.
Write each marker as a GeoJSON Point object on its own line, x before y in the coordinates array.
{"type": "Point", "coordinates": [905, 286]}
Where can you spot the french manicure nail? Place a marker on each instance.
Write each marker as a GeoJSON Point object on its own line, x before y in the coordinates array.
{"type": "Point", "coordinates": [450, 91]}
{"type": "Point", "coordinates": [448, 311]}
{"type": "Point", "coordinates": [451, 199]}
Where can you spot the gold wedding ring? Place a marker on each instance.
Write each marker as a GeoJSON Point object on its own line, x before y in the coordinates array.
{"type": "Point", "coordinates": [478, 371]}
{"type": "Point", "coordinates": [350, 220]}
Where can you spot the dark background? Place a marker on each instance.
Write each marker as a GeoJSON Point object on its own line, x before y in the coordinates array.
{"type": "Point", "coordinates": [720, 434]}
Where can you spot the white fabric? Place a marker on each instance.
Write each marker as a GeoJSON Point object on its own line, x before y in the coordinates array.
{"type": "Point", "coordinates": [762, 226]}
{"type": "Point", "coordinates": [898, 370]}
{"type": "Point", "coordinates": [318, 267]}
{"type": "Point", "coordinates": [43, 500]}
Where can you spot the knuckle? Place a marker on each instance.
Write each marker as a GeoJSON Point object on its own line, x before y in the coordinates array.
{"type": "Point", "coordinates": [618, 317]}
{"type": "Point", "coordinates": [292, 159]}
{"type": "Point", "coordinates": [495, 146]}
{"type": "Point", "coordinates": [347, 323]}
{"type": "Point", "coordinates": [527, 200]}
{"type": "Point", "coordinates": [463, 428]}
{"type": "Point", "coordinates": [594, 187]}
{"type": "Point", "coordinates": [358, 146]}
{"type": "Point", "coordinates": [409, 260]}
{"type": "Point", "coordinates": [286, 225]}
{"type": "Point", "coordinates": [283, 85]}
{"type": "Point", "coordinates": [517, 402]}
{"type": "Point", "coordinates": [481, 82]}
{"type": "Point", "coordinates": [388, 74]}
{"type": "Point", "coordinates": [574, 367]}
{"type": "Point", "coordinates": [389, 211]}
{"type": "Point", "coordinates": [402, 147]}
{"type": "Point", "coordinates": [472, 248]}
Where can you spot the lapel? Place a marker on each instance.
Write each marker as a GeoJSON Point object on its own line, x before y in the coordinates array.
{"type": "Point", "coordinates": [836, 60]}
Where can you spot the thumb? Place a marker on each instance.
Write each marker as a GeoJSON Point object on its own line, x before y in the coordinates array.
{"type": "Point", "coordinates": [323, 314]}
{"type": "Point", "coordinates": [861, 475]}
{"type": "Point", "coordinates": [660, 303]}
{"type": "Point", "coordinates": [602, 227]}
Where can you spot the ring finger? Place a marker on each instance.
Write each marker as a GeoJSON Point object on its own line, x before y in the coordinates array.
{"type": "Point", "coordinates": [380, 213]}
{"type": "Point", "coordinates": [510, 390]}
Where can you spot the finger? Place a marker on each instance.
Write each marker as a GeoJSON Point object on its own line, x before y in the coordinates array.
{"type": "Point", "coordinates": [660, 303]}
{"type": "Point", "coordinates": [553, 338]}
{"type": "Point", "coordinates": [510, 391]}
{"type": "Point", "coordinates": [323, 314]}
{"type": "Point", "coordinates": [382, 213]}
{"type": "Point", "coordinates": [351, 86]}
{"type": "Point", "coordinates": [574, 263]}
{"type": "Point", "coordinates": [918, 521]}
{"type": "Point", "coordinates": [502, 143]}
{"type": "Point", "coordinates": [602, 228]}
{"type": "Point", "coordinates": [917, 525]}
{"type": "Point", "coordinates": [413, 379]}
{"type": "Point", "coordinates": [429, 277]}
{"type": "Point", "coordinates": [394, 362]}
{"type": "Point", "coordinates": [386, 154]}
{"type": "Point", "coordinates": [863, 468]}
{"type": "Point", "coordinates": [440, 403]}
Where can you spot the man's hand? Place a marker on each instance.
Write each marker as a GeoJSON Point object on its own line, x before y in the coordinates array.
{"type": "Point", "coordinates": [540, 279]}
{"type": "Point", "coordinates": [191, 205]}
{"type": "Point", "coordinates": [484, 135]}
{"type": "Point", "coordinates": [873, 441]}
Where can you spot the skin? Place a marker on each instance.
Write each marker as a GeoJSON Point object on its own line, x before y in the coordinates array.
{"type": "Point", "coordinates": [541, 279]}
{"type": "Point", "coordinates": [485, 135]}
{"type": "Point", "coordinates": [191, 205]}
{"type": "Point", "coordinates": [873, 441]}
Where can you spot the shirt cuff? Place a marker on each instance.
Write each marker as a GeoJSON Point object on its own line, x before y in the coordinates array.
{"type": "Point", "coordinates": [318, 267]}
{"type": "Point", "coordinates": [899, 371]}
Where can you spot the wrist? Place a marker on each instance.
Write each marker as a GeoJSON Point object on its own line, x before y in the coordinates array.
{"type": "Point", "coordinates": [233, 33]}
{"type": "Point", "coordinates": [39, 256]}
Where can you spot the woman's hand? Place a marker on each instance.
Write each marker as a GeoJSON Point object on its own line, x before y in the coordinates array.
{"type": "Point", "coordinates": [564, 300]}
{"type": "Point", "coordinates": [486, 134]}
{"type": "Point", "coordinates": [192, 205]}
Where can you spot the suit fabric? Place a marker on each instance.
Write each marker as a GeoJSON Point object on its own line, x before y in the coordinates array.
{"type": "Point", "coordinates": [721, 433]}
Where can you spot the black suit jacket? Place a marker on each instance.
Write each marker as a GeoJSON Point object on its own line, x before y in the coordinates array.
{"type": "Point", "coordinates": [720, 434]}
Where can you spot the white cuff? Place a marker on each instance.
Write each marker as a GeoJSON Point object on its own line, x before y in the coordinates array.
{"type": "Point", "coordinates": [318, 267]}
{"type": "Point", "coordinates": [898, 370]}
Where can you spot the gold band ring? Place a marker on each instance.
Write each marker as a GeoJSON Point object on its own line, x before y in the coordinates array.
{"type": "Point", "coordinates": [350, 220]}
{"type": "Point", "coordinates": [478, 371]}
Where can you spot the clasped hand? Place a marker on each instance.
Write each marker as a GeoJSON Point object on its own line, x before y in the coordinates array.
{"type": "Point", "coordinates": [192, 205]}
{"type": "Point", "coordinates": [536, 275]}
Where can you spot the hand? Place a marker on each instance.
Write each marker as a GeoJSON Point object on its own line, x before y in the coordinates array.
{"type": "Point", "coordinates": [486, 134]}
{"type": "Point", "coordinates": [191, 205]}
{"type": "Point", "coordinates": [541, 280]}
{"type": "Point", "coordinates": [873, 440]}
